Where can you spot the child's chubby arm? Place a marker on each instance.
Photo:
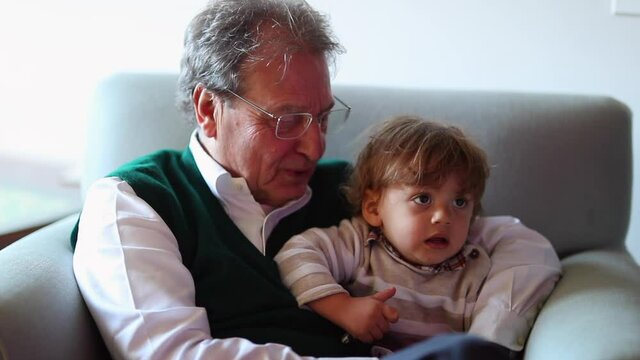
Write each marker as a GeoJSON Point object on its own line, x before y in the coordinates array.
{"type": "Point", "coordinates": [365, 318]}
{"type": "Point", "coordinates": [314, 263]}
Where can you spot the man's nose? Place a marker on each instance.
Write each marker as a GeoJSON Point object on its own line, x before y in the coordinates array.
{"type": "Point", "coordinates": [441, 214]}
{"type": "Point", "coordinates": [311, 143]}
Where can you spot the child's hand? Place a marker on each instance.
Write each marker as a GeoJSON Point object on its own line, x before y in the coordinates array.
{"type": "Point", "coordinates": [369, 318]}
{"type": "Point", "coordinates": [366, 318]}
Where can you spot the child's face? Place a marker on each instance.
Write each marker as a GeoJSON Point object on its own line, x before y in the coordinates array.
{"type": "Point", "coordinates": [427, 225]}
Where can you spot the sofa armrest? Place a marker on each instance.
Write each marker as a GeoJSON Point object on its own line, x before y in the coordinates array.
{"type": "Point", "coordinates": [594, 312]}
{"type": "Point", "coordinates": [42, 314]}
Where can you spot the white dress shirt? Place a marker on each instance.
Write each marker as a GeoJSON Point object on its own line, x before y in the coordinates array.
{"type": "Point", "coordinates": [143, 313]}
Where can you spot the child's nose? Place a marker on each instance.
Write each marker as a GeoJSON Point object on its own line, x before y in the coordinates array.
{"type": "Point", "coordinates": [441, 215]}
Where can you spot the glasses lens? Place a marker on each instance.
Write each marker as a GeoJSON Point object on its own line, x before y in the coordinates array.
{"type": "Point", "coordinates": [290, 126]}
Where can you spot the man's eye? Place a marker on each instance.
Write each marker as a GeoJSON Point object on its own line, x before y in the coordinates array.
{"type": "Point", "coordinates": [422, 199]}
{"type": "Point", "coordinates": [291, 124]}
{"type": "Point", "coordinates": [288, 122]}
{"type": "Point", "coordinates": [460, 202]}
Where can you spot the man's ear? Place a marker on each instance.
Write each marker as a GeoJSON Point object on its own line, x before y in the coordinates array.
{"type": "Point", "coordinates": [370, 203]}
{"type": "Point", "coordinates": [208, 110]}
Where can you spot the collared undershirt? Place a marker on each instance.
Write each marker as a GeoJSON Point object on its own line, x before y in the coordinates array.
{"type": "Point", "coordinates": [255, 221]}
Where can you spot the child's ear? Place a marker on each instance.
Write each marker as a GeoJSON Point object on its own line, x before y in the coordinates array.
{"type": "Point", "coordinates": [370, 202]}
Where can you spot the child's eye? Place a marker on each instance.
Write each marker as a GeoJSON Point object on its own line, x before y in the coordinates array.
{"type": "Point", "coordinates": [460, 202]}
{"type": "Point", "coordinates": [422, 199]}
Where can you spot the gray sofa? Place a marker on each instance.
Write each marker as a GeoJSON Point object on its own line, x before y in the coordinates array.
{"type": "Point", "coordinates": [562, 164]}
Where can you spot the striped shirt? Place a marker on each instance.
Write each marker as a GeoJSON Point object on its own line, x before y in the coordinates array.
{"type": "Point", "coordinates": [348, 258]}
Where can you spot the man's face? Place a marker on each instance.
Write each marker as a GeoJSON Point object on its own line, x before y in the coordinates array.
{"type": "Point", "coordinates": [276, 170]}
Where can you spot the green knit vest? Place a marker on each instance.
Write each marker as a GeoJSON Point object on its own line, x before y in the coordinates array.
{"type": "Point", "coordinates": [238, 286]}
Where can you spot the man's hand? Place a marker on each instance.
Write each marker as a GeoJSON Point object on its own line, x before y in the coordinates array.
{"type": "Point", "coordinates": [366, 318]}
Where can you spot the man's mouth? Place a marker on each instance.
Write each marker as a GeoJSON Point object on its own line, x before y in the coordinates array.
{"type": "Point", "coordinates": [299, 173]}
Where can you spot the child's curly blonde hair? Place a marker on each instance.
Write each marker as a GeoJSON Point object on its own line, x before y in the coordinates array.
{"type": "Point", "coordinates": [411, 151]}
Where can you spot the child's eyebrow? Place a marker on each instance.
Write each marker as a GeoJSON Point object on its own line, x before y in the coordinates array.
{"type": "Point", "coordinates": [467, 192]}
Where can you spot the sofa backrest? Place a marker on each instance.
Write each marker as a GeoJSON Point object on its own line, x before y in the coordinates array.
{"type": "Point", "coordinates": [560, 163]}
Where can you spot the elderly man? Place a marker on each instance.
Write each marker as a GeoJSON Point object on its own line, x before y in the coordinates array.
{"type": "Point", "coordinates": [174, 250]}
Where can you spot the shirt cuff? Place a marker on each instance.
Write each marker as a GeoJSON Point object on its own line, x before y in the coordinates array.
{"type": "Point", "coordinates": [503, 327]}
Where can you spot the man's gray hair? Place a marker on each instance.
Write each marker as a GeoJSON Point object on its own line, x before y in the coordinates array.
{"type": "Point", "coordinates": [226, 38]}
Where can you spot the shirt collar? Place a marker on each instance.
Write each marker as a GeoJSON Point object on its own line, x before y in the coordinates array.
{"type": "Point", "coordinates": [255, 221]}
{"type": "Point", "coordinates": [454, 263]}
{"type": "Point", "coordinates": [218, 179]}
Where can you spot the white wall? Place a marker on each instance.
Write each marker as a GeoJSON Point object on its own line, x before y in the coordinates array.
{"type": "Point", "coordinates": [51, 55]}
{"type": "Point", "coordinates": [52, 52]}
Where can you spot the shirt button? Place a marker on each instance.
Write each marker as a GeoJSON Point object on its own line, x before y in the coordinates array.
{"type": "Point", "coordinates": [474, 254]}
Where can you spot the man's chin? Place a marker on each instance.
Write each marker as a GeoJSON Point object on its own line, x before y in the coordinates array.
{"type": "Point", "coordinates": [289, 186]}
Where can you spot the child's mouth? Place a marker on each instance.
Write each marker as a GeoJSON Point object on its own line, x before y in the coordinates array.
{"type": "Point", "coordinates": [437, 242]}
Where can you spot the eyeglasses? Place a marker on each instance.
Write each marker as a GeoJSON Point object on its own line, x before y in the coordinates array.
{"type": "Point", "coordinates": [294, 125]}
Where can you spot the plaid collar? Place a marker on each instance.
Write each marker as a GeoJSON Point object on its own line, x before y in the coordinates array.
{"type": "Point", "coordinates": [454, 263]}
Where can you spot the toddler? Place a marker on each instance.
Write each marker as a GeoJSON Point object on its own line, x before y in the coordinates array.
{"type": "Point", "coordinates": [400, 270]}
